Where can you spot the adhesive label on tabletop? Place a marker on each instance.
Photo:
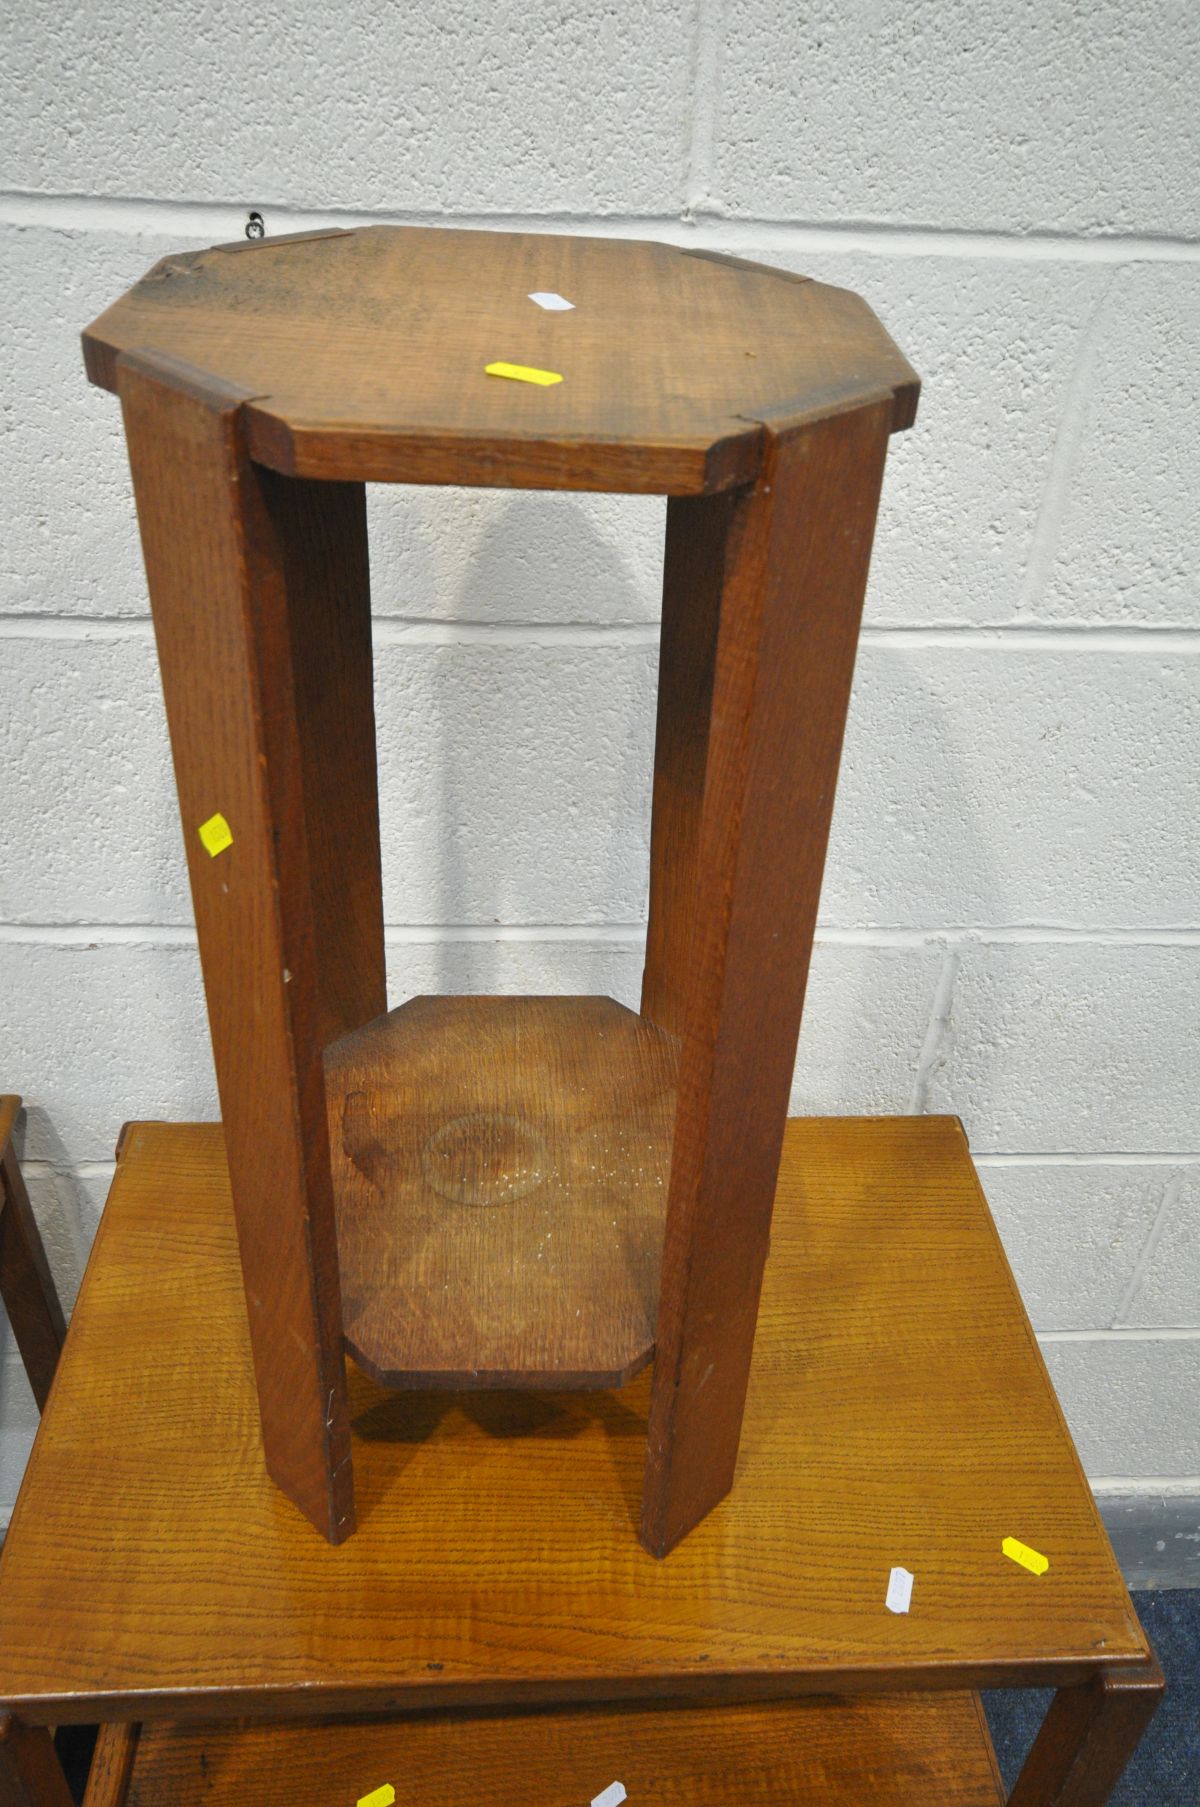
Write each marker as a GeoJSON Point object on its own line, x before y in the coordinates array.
{"type": "Point", "coordinates": [1033, 1560]}
{"type": "Point", "coordinates": [612, 1796]}
{"type": "Point", "coordinates": [523, 373]}
{"type": "Point", "coordinates": [215, 835]}
{"type": "Point", "coordinates": [379, 1797]}
{"type": "Point", "coordinates": [899, 1594]}
{"type": "Point", "coordinates": [553, 304]}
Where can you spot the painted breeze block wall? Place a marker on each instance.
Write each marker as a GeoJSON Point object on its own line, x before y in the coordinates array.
{"type": "Point", "coordinates": [1010, 921]}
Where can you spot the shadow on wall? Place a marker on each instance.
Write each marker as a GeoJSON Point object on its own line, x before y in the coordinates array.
{"type": "Point", "coordinates": [910, 850]}
{"type": "Point", "coordinates": [534, 786]}
{"type": "Point", "coordinates": [539, 776]}
{"type": "Point", "coordinates": [62, 1204]}
{"type": "Point", "coordinates": [878, 1024]}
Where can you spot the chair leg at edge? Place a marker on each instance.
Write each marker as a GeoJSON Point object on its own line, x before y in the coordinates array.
{"type": "Point", "coordinates": [30, 1772]}
{"type": "Point", "coordinates": [1087, 1738]}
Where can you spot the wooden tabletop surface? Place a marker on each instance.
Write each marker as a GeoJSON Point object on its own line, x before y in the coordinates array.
{"type": "Point", "coordinates": [364, 355]}
{"type": "Point", "coordinates": [929, 1750]}
{"type": "Point", "coordinates": [899, 1414]}
{"type": "Point", "coordinates": [500, 1167]}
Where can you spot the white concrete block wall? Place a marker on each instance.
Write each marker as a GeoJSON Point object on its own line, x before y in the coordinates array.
{"type": "Point", "coordinates": [1010, 927]}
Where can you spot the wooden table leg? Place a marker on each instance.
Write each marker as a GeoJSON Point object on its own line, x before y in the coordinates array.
{"type": "Point", "coordinates": [1087, 1738]}
{"type": "Point", "coordinates": [30, 1772]}
{"type": "Point", "coordinates": [26, 1283]}
{"type": "Point", "coordinates": [762, 600]}
{"type": "Point", "coordinates": [112, 1765]}
{"type": "Point", "coordinates": [699, 530]}
{"type": "Point", "coordinates": [261, 605]}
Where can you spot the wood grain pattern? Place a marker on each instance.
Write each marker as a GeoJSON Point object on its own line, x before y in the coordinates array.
{"type": "Point", "coordinates": [320, 711]}
{"type": "Point", "coordinates": [112, 1766]}
{"type": "Point", "coordinates": [248, 576]}
{"type": "Point", "coordinates": [930, 1751]}
{"type": "Point", "coordinates": [1088, 1737]}
{"type": "Point", "coordinates": [26, 1283]}
{"type": "Point", "coordinates": [362, 355]}
{"type": "Point", "coordinates": [899, 1412]}
{"type": "Point", "coordinates": [794, 553]}
{"type": "Point", "coordinates": [30, 1772]}
{"type": "Point", "coordinates": [500, 1167]}
{"type": "Point", "coordinates": [697, 539]}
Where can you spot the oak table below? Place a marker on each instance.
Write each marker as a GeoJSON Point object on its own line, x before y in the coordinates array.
{"type": "Point", "coordinates": [899, 1414]}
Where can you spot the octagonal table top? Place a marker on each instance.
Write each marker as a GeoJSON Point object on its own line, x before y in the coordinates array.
{"type": "Point", "coordinates": [364, 355]}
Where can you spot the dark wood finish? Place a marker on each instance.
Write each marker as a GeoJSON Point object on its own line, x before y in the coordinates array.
{"type": "Point", "coordinates": [26, 1283]}
{"type": "Point", "coordinates": [899, 1412]}
{"type": "Point", "coordinates": [248, 372]}
{"type": "Point", "coordinates": [321, 645]}
{"type": "Point", "coordinates": [915, 1751]}
{"type": "Point", "coordinates": [30, 1772]}
{"type": "Point", "coordinates": [362, 355]}
{"type": "Point", "coordinates": [262, 619]}
{"type": "Point", "coordinates": [1087, 1738]}
{"type": "Point", "coordinates": [794, 557]}
{"type": "Point", "coordinates": [112, 1766]}
{"type": "Point", "coordinates": [698, 535]}
{"type": "Point", "coordinates": [500, 1167]}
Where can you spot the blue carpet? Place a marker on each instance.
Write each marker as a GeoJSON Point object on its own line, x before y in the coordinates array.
{"type": "Point", "coordinates": [1165, 1772]}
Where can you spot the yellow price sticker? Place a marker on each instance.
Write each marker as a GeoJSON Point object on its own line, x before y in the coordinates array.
{"type": "Point", "coordinates": [523, 373]}
{"type": "Point", "coordinates": [1033, 1560]}
{"type": "Point", "coordinates": [379, 1797]}
{"type": "Point", "coordinates": [215, 835]}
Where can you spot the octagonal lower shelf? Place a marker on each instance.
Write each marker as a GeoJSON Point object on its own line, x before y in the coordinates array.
{"type": "Point", "coordinates": [500, 1167]}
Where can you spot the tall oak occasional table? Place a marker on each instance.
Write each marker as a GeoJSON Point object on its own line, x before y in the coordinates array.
{"type": "Point", "coordinates": [507, 1192]}
{"type": "Point", "coordinates": [898, 1414]}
